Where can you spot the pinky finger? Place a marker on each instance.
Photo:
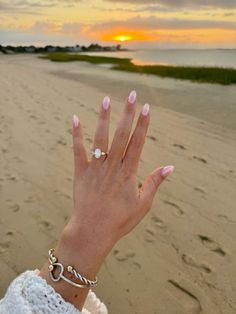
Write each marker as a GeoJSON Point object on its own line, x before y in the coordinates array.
{"type": "Point", "coordinates": [80, 153]}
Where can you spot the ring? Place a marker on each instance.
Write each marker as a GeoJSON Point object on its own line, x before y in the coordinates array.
{"type": "Point", "coordinates": [97, 153]}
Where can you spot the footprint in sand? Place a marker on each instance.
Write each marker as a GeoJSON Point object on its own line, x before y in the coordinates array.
{"type": "Point", "coordinates": [179, 146]}
{"type": "Point", "coordinates": [89, 140]}
{"type": "Point", "coordinates": [18, 159]}
{"type": "Point", "coordinates": [211, 245]}
{"type": "Point", "coordinates": [29, 199]}
{"type": "Point", "coordinates": [126, 256]}
{"type": "Point", "coordinates": [200, 190]}
{"type": "Point", "coordinates": [149, 235]}
{"type": "Point", "coordinates": [225, 219]}
{"type": "Point", "coordinates": [190, 303]}
{"type": "Point", "coordinates": [62, 142]}
{"type": "Point", "coordinates": [6, 241]}
{"type": "Point", "coordinates": [178, 210]}
{"type": "Point", "coordinates": [151, 137]}
{"type": "Point", "coordinates": [191, 262]}
{"type": "Point", "coordinates": [136, 264]}
{"type": "Point", "coordinates": [46, 225]}
{"type": "Point", "coordinates": [61, 193]}
{"type": "Point", "coordinates": [93, 110]}
{"type": "Point", "coordinates": [158, 223]}
{"type": "Point", "coordinates": [11, 177]}
{"type": "Point", "coordinates": [14, 207]}
{"type": "Point", "coordinates": [204, 161]}
{"type": "Point", "coordinates": [123, 256]}
{"type": "Point", "coordinates": [32, 116]}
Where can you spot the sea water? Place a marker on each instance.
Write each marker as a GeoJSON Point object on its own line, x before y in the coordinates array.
{"type": "Point", "coordinates": [190, 57]}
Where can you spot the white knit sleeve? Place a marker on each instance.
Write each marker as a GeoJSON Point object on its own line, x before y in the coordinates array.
{"type": "Point", "coordinates": [30, 294]}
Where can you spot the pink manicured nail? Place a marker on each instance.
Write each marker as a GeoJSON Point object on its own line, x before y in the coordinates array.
{"type": "Point", "coordinates": [75, 121]}
{"type": "Point", "coordinates": [106, 103]}
{"type": "Point", "coordinates": [167, 170]}
{"type": "Point", "coordinates": [145, 109]}
{"type": "Point", "coordinates": [132, 97]}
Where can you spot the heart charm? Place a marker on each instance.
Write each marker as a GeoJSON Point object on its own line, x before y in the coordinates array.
{"type": "Point", "coordinates": [58, 277]}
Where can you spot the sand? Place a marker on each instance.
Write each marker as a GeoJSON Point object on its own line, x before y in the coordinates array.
{"type": "Point", "coordinates": [181, 258]}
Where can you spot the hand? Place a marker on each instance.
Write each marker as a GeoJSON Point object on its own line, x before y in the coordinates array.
{"type": "Point", "coordinates": [108, 203]}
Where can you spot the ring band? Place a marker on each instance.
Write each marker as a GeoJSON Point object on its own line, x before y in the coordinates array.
{"type": "Point", "coordinates": [97, 153]}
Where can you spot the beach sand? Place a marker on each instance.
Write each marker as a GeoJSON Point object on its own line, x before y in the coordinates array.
{"type": "Point", "coordinates": [181, 258]}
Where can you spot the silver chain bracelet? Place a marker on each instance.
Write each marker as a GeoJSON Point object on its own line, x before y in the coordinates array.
{"type": "Point", "coordinates": [54, 263]}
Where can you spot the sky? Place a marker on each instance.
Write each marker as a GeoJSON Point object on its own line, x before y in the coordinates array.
{"type": "Point", "coordinates": [145, 24]}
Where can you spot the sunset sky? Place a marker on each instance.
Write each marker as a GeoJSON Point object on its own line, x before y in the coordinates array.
{"type": "Point", "coordinates": [134, 24]}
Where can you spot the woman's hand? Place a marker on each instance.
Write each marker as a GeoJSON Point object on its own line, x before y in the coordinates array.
{"type": "Point", "coordinates": [108, 203]}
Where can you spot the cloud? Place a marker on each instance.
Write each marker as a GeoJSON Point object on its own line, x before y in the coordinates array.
{"type": "Point", "coordinates": [184, 3]}
{"type": "Point", "coordinates": [155, 23]}
{"type": "Point", "coordinates": [27, 6]}
{"type": "Point", "coordinates": [146, 32]}
{"type": "Point", "coordinates": [148, 8]}
{"type": "Point", "coordinates": [229, 14]}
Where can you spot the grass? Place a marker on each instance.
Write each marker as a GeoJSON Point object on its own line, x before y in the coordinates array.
{"type": "Point", "coordinates": [224, 76]}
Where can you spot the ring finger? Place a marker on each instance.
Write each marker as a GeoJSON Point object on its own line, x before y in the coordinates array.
{"type": "Point", "coordinates": [101, 137]}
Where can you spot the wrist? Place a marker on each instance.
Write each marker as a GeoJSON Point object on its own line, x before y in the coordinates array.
{"type": "Point", "coordinates": [85, 254]}
{"type": "Point", "coordinates": [82, 250]}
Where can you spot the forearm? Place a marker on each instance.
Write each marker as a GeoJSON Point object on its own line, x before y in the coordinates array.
{"type": "Point", "coordinates": [86, 256]}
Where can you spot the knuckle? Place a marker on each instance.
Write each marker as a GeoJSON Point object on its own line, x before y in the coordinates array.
{"type": "Point", "coordinates": [137, 140]}
{"type": "Point", "coordinates": [129, 109]}
{"type": "Point", "coordinates": [76, 149]}
{"type": "Point", "coordinates": [99, 139]}
{"type": "Point", "coordinates": [122, 132]}
{"type": "Point", "coordinates": [154, 182]}
{"type": "Point", "coordinates": [103, 116]}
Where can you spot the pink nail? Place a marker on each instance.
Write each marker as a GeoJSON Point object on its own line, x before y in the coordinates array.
{"type": "Point", "coordinates": [167, 170]}
{"type": "Point", "coordinates": [145, 109]}
{"type": "Point", "coordinates": [132, 97]}
{"type": "Point", "coordinates": [75, 120]}
{"type": "Point", "coordinates": [106, 103]}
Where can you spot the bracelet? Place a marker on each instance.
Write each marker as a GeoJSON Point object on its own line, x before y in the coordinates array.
{"type": "Point", "coordinates": [54, 263]}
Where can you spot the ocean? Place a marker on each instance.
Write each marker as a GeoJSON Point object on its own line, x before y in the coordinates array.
{"type": "Point", "coordinates": [213, 57]}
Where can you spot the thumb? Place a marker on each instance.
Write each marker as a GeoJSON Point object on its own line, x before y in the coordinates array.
{"type": "Point", "coordinates": [152, 183]}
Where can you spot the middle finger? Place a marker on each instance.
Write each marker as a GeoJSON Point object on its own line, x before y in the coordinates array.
{"type": "Point", "coordinates": [123, 130]}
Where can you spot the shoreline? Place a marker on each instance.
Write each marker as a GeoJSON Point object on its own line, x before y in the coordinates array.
{"type": "Point", "coordinates": [214, 75]}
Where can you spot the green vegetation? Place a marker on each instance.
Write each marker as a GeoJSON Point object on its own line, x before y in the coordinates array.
{"type": "Point", "coordinates": [67, 57]}
{"type": "Point", "coordinates": [223, 76]}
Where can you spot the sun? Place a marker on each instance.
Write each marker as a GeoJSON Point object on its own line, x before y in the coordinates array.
{"type": "Point", "coordinates": [122, 38]}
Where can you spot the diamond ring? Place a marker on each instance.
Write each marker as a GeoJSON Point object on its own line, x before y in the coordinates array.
{"type": "Point", "coordinates": [98, 153]}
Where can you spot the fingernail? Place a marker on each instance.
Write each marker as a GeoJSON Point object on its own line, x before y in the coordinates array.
{"type": "Point", "coordinates": [167, 170]}
{"type": "Point", "coordinates": [145, 109]}
{"type": "Point", "coordinates": [75, 121]}
{"type": "Point", "coordinates": [106, 103]}
{"type": "Point", "coordinates": [132, 97]}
